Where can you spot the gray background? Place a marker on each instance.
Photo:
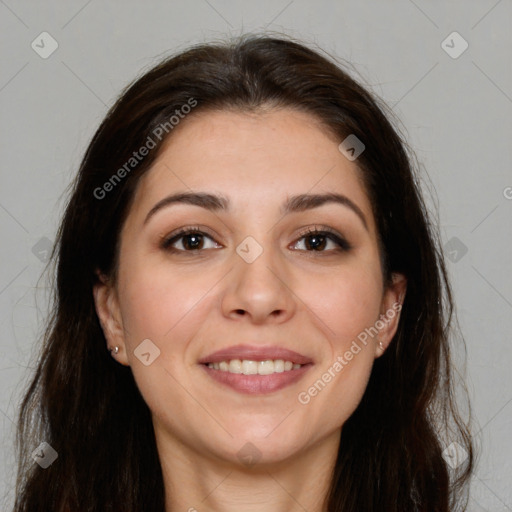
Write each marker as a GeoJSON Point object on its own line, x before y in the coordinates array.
{"type": "Point", "coordinates": [455, 112]}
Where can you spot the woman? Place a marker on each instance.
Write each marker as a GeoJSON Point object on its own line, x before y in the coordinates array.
{"type": "Point", "coordinates": [252, 309]}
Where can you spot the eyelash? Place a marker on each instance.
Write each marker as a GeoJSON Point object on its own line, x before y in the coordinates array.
{"type": "Point", "coordinates": [343, 245]}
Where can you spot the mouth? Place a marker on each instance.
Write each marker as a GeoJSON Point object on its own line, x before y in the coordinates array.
{"type": "Point", "coordinates": [255, 353]}
{"type": "Point", "coordinates": [252, 367]}
{"type": "Point", "coordinates": [256, 383]}
{"type": "Point", "coordinates": [255, 370]}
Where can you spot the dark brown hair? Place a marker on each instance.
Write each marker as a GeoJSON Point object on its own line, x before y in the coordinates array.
{"type": "Point", "coordinates": [88, 407]}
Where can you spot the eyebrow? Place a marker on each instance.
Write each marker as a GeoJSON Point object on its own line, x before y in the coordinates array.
{"type": "Point", "coordinates": [293, 204]}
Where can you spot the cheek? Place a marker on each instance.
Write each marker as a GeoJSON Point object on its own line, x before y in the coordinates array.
{"type": "Point", "coordinates": [159, 304]}
{"type": "Point", "coordinates": [337, 386]}
{"type": "Point", "coordinates": [166, 309]}
{"type": "Point", "coordinates": [346, 302]}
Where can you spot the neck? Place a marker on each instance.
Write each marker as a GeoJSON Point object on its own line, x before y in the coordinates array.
{"type": "Point", "coordinates": [197, 483]}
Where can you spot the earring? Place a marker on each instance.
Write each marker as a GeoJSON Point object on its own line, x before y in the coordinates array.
{"type": "Point", "coordinates": [114, 351]}
{"type": "Point", "coordinates": [381, 345]}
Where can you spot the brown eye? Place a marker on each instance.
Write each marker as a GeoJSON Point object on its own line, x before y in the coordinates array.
{"type": "Point", "coordinates": [190, 240]}
{"type": "Point", "coordinates": [317, 241]}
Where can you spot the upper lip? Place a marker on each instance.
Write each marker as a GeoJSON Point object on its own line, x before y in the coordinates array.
{"type": "Point", "coordinates": [255, 353]}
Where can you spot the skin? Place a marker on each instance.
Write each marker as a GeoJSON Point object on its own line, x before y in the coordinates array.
{"type": "Point", "coordinates": [191, 304]}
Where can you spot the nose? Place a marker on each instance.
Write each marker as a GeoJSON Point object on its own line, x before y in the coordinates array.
{"type": "Point", "coordinates": [260, 290]}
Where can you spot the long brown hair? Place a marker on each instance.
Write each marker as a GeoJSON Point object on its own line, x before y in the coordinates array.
{"type": "Point", "coordinates": [87, 407]}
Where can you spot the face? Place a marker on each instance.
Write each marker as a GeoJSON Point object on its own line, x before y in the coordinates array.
{"type": "Point", "coordinates": [251, 272]}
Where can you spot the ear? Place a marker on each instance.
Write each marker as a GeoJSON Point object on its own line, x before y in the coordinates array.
{"type": "Point", "coordinates": [109, 314]}
{"type": "Point", "coordinates": [391, 306]}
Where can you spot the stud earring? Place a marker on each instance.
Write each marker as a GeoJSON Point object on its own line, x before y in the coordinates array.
{"type": "Point", "coordinates": [381, 345]}
{"type": "Point", "coordinates": [114, 351]}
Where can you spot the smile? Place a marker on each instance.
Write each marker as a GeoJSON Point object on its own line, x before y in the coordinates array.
{"type": "Point", "coordinates": [256, 377]}
{"type": "Point", "coordinates": [250, 367]}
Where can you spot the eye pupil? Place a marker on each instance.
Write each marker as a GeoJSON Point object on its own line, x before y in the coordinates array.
{"type": "Point", "coordinates": [312, 242]}
{"type": "Point", "coordinates": [195, 244]}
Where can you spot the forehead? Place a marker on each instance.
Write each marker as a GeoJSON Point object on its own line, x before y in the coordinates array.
{"type": "Point", "coordinates": [256, 159]}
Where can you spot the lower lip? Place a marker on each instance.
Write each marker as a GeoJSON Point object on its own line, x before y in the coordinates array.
{"type": "Point", "coordinates": [257, 384]}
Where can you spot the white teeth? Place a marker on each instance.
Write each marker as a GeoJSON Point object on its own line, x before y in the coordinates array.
{"type": "Point", "coordinates": [235, 366]}
{"type": "Point", "coordinates": [266, 367]}
{"type": "Point", "coordinates": [249, 367]}
{"type": "Point", "coordinates": [279, 366]}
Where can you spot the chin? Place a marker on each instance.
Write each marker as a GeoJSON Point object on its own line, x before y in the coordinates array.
{"type": "Point", "coordinates": [250, 449]}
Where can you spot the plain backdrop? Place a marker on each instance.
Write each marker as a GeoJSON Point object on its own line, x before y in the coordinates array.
{"type": "Point", "coordinates": [454, 103]}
